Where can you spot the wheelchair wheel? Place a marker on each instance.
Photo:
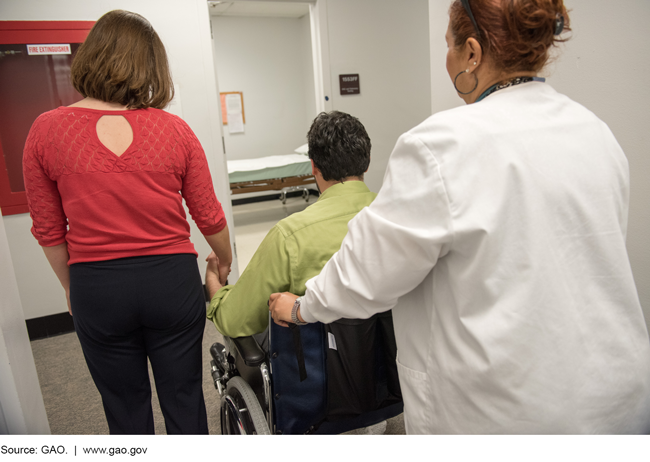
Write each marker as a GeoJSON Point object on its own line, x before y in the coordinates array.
{"type": "Point", "coordinates": [241, 413]}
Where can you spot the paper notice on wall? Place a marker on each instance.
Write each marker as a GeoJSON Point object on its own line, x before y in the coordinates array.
{"type": "Point", "coordinates": [234, 109]}
{"type": "Point", "coordinates": [235, 123]}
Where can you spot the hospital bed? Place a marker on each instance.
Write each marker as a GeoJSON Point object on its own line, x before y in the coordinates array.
{"type": "Point", "coordinates": [283, 173]}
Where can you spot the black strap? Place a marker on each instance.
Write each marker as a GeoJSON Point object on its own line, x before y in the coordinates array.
{"type": "Point", "coordinates": [297, 344]}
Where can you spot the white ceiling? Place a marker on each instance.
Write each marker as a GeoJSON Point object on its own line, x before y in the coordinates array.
{"type": "Point", "coordinates": [267, 9]}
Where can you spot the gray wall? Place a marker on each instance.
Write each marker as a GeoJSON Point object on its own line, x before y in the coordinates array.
{"type": "Point", "coordinates": [603, 67]}
{"type": "Point", "coordinates": [386, 43]}
{"type": "Point", "coordinates": [383, 41]}
{"type": "Point", "coordinates": [269, 60]}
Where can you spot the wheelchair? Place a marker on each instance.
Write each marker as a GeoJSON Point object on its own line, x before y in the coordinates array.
{"type": "Point", "coordinates": [312, 379]}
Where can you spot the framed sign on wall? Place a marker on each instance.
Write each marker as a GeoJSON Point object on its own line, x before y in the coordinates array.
{"type": "Point", "coordinates": [349, 84]}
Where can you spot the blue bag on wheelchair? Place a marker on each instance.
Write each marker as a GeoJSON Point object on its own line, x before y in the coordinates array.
{"type": "Point", "coordinates": [336, 377]}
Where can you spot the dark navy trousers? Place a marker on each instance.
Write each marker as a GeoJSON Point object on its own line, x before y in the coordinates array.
{"type": "Point", "coordinates": [131, 309]}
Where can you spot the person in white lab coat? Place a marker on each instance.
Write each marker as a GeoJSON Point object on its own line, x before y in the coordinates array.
{"type": "Point", "coordinates": [498, 239]}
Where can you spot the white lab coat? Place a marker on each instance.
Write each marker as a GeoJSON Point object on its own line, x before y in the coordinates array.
{"type": "Point", "coordinates": [498, 239]}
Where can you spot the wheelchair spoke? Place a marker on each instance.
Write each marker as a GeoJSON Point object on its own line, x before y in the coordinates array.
{"type": "Point", "coordinates": [240, 411]}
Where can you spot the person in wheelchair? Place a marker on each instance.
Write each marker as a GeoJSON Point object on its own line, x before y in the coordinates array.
{"type": "Point", "coordinates": [355, 354]}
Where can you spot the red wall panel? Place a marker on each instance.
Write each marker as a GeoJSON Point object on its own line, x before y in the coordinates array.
{"type": "Point", "coordinates": [29, 86]}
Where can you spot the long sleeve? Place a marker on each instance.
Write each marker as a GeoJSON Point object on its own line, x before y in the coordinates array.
{"type": "Point", "coordinates": [241, 309]}
{"type": "Point", "coordinates": [198, 190]}
{"type": "Point", "coordinates": [497, 238]}
{"type": "Point", "coordinates": [45, 208]}
{"type": "Point", "coordinates": [391, 246]}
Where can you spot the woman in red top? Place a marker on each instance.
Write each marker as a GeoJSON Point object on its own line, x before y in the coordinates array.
{"type": "Point", "coordinates": [105, 180]}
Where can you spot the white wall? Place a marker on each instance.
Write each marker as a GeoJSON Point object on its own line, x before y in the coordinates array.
{"type": "Point", "coordinates": [603, 67]}
{"type": "Point", "coordinates": [307, 65]}
{"type": "Point", "coordinates": [22, 410]}
{"type": "Point", "coordinates": [386, 43]}
{"type": "Point", "coordinates": [184, 27]}
{"type": "Point", "coordinates": [269, 60]}
{"type": "Point", "coordinates": [443, 95]}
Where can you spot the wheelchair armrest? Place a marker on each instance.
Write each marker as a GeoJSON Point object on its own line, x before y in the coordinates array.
{"type": "Point", "coordinates": [249, 350]}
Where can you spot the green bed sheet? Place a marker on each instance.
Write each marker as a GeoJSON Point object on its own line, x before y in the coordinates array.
{"type": "Point", "coordinates": [302, 168]}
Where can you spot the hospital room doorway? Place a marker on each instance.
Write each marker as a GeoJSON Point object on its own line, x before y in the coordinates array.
{"type": "Point", "coordinates": [267, 65]}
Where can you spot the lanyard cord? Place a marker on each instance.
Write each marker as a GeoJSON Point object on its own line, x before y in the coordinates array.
{"type": "Point", "coordinates": [508, 83]}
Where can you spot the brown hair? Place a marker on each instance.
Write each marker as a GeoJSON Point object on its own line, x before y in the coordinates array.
{"type": "Point", "coordinates": [123, 61]}
{"type": "Point", "coordinates": [515, 34]}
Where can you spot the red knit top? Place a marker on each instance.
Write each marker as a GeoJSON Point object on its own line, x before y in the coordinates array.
{"type": "Point", "coordinates": [107, 206]}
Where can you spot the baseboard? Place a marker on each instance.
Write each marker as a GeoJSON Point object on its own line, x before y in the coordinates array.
{"type": "Point", "coordinates": [49, 326]}
{"type": "Point", "coordinates": [272, 197]}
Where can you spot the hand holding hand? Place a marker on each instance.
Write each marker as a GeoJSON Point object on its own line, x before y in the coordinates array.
{"type": "Point", "coordinates": [213, 274]}
{"type": "Point", "coordinates": [280, 306]}
{"type": "Point", "coordinates": [214, 266]}
{"type": "Point", "coordinates": [224, 271]}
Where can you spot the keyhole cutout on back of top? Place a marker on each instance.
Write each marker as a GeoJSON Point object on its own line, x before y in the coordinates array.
{"type": "Point", "coordinates": [115, 132]}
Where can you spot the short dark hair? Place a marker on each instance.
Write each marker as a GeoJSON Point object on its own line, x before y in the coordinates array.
{"type": "Point", "coordinates": [339, 146]}
{"type": "Point", "coordinates": [123, 61]}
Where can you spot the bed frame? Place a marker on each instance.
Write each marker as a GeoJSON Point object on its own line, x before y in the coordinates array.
{"type": "Point", "coordinates": [284, 185]}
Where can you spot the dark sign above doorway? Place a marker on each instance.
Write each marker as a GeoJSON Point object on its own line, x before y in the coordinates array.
{"type": "Point", "coordinates": [349, 84]}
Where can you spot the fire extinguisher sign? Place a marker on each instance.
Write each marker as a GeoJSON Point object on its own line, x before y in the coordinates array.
{"type": "Point", "coordinates": [49, 49]}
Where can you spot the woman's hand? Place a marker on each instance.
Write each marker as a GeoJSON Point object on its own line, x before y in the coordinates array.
{"type": "Point", "coordinates": [223, 272]}
{"type": "Point", "coordinates": [213, 274]}
{"type": "Point", "coordinates": [215, 267]}
{"type": "Point", "coordinates": [280, 306]}
{"type": "Point", "coordinates": [220, 244]}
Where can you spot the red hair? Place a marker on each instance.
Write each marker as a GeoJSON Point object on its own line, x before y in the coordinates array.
{"type": "Point", "coordinates": [515, 34]}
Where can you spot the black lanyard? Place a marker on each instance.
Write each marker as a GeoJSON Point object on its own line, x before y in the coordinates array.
{"type": "Point", "coordinates": [508, 83]}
